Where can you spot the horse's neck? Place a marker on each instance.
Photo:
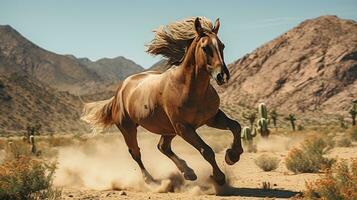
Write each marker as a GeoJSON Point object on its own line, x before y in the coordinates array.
{"type": "Point", "coordinates": [195, 78]}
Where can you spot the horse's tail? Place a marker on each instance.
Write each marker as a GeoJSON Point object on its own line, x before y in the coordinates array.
{"type": "Point", "coordinates": [99, 114]}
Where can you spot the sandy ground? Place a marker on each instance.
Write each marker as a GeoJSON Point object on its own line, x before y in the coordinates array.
{"type": "Point", "coordinates": [104, 169]}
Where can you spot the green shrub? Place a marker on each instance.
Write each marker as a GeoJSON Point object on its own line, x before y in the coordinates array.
{"type": "Point", "coordinates": [267, 163]}
{"type": "Point", "coordinates": [344, 142]}
{"type": "Point", "coordinates": [310, 157]}
{"type": "Point", "coordinates": [338, 183]}
{"type": "Point", "coordinates": [25, 178]}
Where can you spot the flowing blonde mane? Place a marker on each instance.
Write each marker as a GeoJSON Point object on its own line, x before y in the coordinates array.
{"type": "Point", "coordinates": [171, 40]}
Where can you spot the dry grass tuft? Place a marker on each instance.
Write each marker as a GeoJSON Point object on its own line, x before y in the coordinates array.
{"type": "Point", "coordinates": [344, 142]}
{"type": "Point", "coordinates": [310, 157]}
{"type": "Point", "coordinates": [338, 183]}
{"type": "Point", "coordinates": [267, 163]}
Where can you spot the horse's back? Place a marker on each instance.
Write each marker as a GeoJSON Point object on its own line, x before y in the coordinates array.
{"type": "Point", "coordinates": [140, 93]}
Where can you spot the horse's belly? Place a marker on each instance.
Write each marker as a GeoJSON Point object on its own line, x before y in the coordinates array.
{"type": "Point", "coordinates": [157, 122]}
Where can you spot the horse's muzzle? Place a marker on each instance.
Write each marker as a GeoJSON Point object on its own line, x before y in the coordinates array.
{"type": "Point", "coordinates": [223, 76]}
{"type": "Point", "coordinates": [220, 79]}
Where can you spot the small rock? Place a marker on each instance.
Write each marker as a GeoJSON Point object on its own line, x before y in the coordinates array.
{"type": "Point", "coordinates": [70, 195]}
{"type": "Point", "coordinates": [122, 193]}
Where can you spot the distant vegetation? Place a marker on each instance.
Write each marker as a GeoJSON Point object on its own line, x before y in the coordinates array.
{"type": "Point", "coordinates": [291, 118]}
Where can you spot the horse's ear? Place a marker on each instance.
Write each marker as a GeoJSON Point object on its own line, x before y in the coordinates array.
{"type": "Point", "coordinates": [198, 27]}
{"type": "Point", "coordinates": [216, 26]}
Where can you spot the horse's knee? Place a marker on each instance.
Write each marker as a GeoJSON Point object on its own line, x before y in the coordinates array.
{"type": "Point", "coordinates": [235, 126]}
{"type": "Point", "coordinates": [207, 153]}
{"type": "Point", "coordinates": [164, 147]}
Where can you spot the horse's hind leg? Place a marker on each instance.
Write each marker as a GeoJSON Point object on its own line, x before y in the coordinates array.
{"type": "Point", "coordinates": [165, 147]}
{"type": "Point", "coordinates": [129, 131]}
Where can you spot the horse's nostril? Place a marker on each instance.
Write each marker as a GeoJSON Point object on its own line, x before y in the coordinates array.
{"type": "Point", "coordinates": [219, 76]}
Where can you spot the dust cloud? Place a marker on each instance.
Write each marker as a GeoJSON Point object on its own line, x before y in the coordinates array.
{"type": "Point", "coordinates": [104, 163]}
{"type": "Point", "coordinates": [277, 143]}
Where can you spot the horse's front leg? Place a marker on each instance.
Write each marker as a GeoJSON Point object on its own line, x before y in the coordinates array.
{"type": "Point", "coordinates": [221, 121]}
{"type": "Point", "coordinates": [190, 136]}
{"type": "Point", "coordinates": [165, 147]}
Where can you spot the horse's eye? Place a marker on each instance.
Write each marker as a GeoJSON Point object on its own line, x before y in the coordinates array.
{"type": "Point", "coordinates": [207, 50]}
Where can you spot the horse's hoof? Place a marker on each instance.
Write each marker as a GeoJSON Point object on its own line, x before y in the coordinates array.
{"type": "Point", "coordinates": [231, 157]}
{"type": "Point", "coordinates": [190, 175]}
{"type": "Point", "coordinates": [148, 179]}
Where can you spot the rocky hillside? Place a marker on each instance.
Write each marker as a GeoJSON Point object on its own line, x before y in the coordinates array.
{"type": "Point", "coordinates": [112, 69]}
{"type": "Point", "coordinates": [311, 69]}
{"type": "Point", "coordinates": [25, 100]}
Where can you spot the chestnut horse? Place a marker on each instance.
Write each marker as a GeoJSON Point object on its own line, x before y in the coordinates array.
{"type": "Point", "coordinates": [175, 102]}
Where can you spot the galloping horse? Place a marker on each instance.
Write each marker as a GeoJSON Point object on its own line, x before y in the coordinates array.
{"type": "Point", "coordinates": [175, 102]}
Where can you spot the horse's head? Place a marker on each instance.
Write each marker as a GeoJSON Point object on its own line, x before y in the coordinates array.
{"type": "Point", "coordinates": [209, 52]}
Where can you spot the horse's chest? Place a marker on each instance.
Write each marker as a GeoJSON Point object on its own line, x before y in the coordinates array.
{"type": "Point", "coordinates": [197, 114]}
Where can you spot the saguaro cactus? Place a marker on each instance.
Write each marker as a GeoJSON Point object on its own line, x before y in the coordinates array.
{"type": "Point", "coordinates": [248, 133]}
{"type": "Point", "coordinates": [32, 130]}
{"type": "Point", "coordinates": [262, 109]}
{"type": "Point", "coordinates": [353, 113]}
{"type": "Point", "coordinates": [33, 144]}
{"type": "Point", "coordinates": [274, 117]}
{"type": "Point", "coordinates": [292, 120]}
{"type": "Point", "coordinates": [263, 120]}
{"type": "Point", "coordinates": [247, 136]}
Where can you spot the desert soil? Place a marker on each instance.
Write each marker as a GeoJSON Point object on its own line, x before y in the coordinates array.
{"type": "Point", "coordinates": [105, 170]}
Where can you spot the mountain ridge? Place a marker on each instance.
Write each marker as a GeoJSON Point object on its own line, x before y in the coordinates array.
{"type": "Point", "coordinates": [310, 69]}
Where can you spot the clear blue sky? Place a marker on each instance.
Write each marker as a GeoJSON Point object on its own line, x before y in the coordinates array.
{"type": "Point", "coordinates": [97, 29]}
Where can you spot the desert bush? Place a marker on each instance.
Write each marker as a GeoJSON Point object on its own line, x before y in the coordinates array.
{"type": "Point", "coordinates": [353, 133]}
{"type": "Point", "coordinates": [338, 183]}
{"type": "Point", "coordinates": [310, 157]}
{"type": "Point", "coordinates": [25, 178]}
{"type": "Point", "coordinates": [267, 163]}
{"type": "Point", "coordinates": [344, 142]}
{"type": "Point", "coordinates": [17, 148]}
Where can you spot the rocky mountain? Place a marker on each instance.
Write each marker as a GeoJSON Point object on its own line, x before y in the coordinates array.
{"type": "Point", "coordinates": [311, 69]}
{"type": "Point", "coordinates": [57, 71]}
{"type": "Point", "coordinates": [38, 85]}
{"type": "Point", "coordinates": [112, 69]}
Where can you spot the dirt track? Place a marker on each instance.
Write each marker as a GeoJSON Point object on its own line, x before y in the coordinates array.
{"type": "Point", "coordinates": [107, 176]}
